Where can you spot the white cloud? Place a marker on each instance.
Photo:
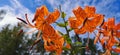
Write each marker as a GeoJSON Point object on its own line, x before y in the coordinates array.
{"type": "Point", "coordinates": [106, 7]}
{"type": "Point", "coordinates": [16, 10]}
{"type": "Point", "coordinates": [9, 18]}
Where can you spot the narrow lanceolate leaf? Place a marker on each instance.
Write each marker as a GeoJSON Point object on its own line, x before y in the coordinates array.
{"type": "Point", "coordinates": [61, 24]}
{"type": "Point", "coordinates": [60, 33]}
{"type": "Point", "coordinates": [66, 23]}
{"type": "Point", "coordinates": [70, 29]}
{"type": "Point", "coordinates": [68, 40]}
{"type": "Point", "coordinates": [79, 43]}
{"type": "Point", "coordinates": [63, 14]}
{"type": "Point", "coordinates": [22, 20]}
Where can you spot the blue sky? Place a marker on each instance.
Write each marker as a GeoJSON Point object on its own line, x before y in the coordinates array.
{"type": "Point", "coordinates": [17, 8]}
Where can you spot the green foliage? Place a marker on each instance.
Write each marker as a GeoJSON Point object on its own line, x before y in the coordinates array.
{"type": "Point", "coordinates": [39, 46]}
{"type": "Point", "coordinates": [11, 43]}
{"type": "Point", "coordinates": [70, 29]}
{"type": "Point", "coordinates": [63, 14]}
{"type": "Point", "coordinates": [62, 24]}
{"type": "Point", "coordinates": [67, 38]}
{"type": "Point", "coordinates": [92, 47]}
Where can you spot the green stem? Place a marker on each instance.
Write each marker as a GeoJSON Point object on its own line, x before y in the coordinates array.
{"type": "Point", "coordinates": [78, 38]}
{"type": "Point", "coordinates": [66, 28]}
{"type": "Point", "coordinates": [88, 39]}
{"type": "Point", "coordinates": [64, 23]}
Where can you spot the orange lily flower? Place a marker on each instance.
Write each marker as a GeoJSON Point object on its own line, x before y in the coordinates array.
{"type": "Point", "coordinates": [86, 20]}
{"type": "Point", "coordinates": [110, 33]}
{"type": "Point", "coordinates": [110, 28]}
{"type": "Point", "coordinates": [52, 40]}
{"type": "Point", "coordinates": [43, 18]}
{"type": "Point", "coordinates": [55, 44]}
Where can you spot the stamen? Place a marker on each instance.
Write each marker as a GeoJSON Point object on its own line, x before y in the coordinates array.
{"type": "Point", "coordinates": [28, 21]}
{"type": "Point", "coordinates": [22, 20]}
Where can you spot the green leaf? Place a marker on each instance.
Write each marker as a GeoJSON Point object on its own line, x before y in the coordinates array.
{"type": "Point", "coordinates": [66, 23]}
{"type": "Point", "coordinates": [64, 48]}
{"type": "Point", "coordinates": [79, 43]}
{"type": "Point", "coordinates": [61, 33]}
{"type": "Point", "coordinates": [60, 24]}
{"type": "Point", "coordinates": [63, 14]}
{"type": "Point", "coordinates": [70, 29]}
{"type": "Point", "coordinates": [67, 38]}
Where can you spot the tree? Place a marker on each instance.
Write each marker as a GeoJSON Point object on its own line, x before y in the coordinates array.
{"type": "Point", "coordinates": [12, 42]}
